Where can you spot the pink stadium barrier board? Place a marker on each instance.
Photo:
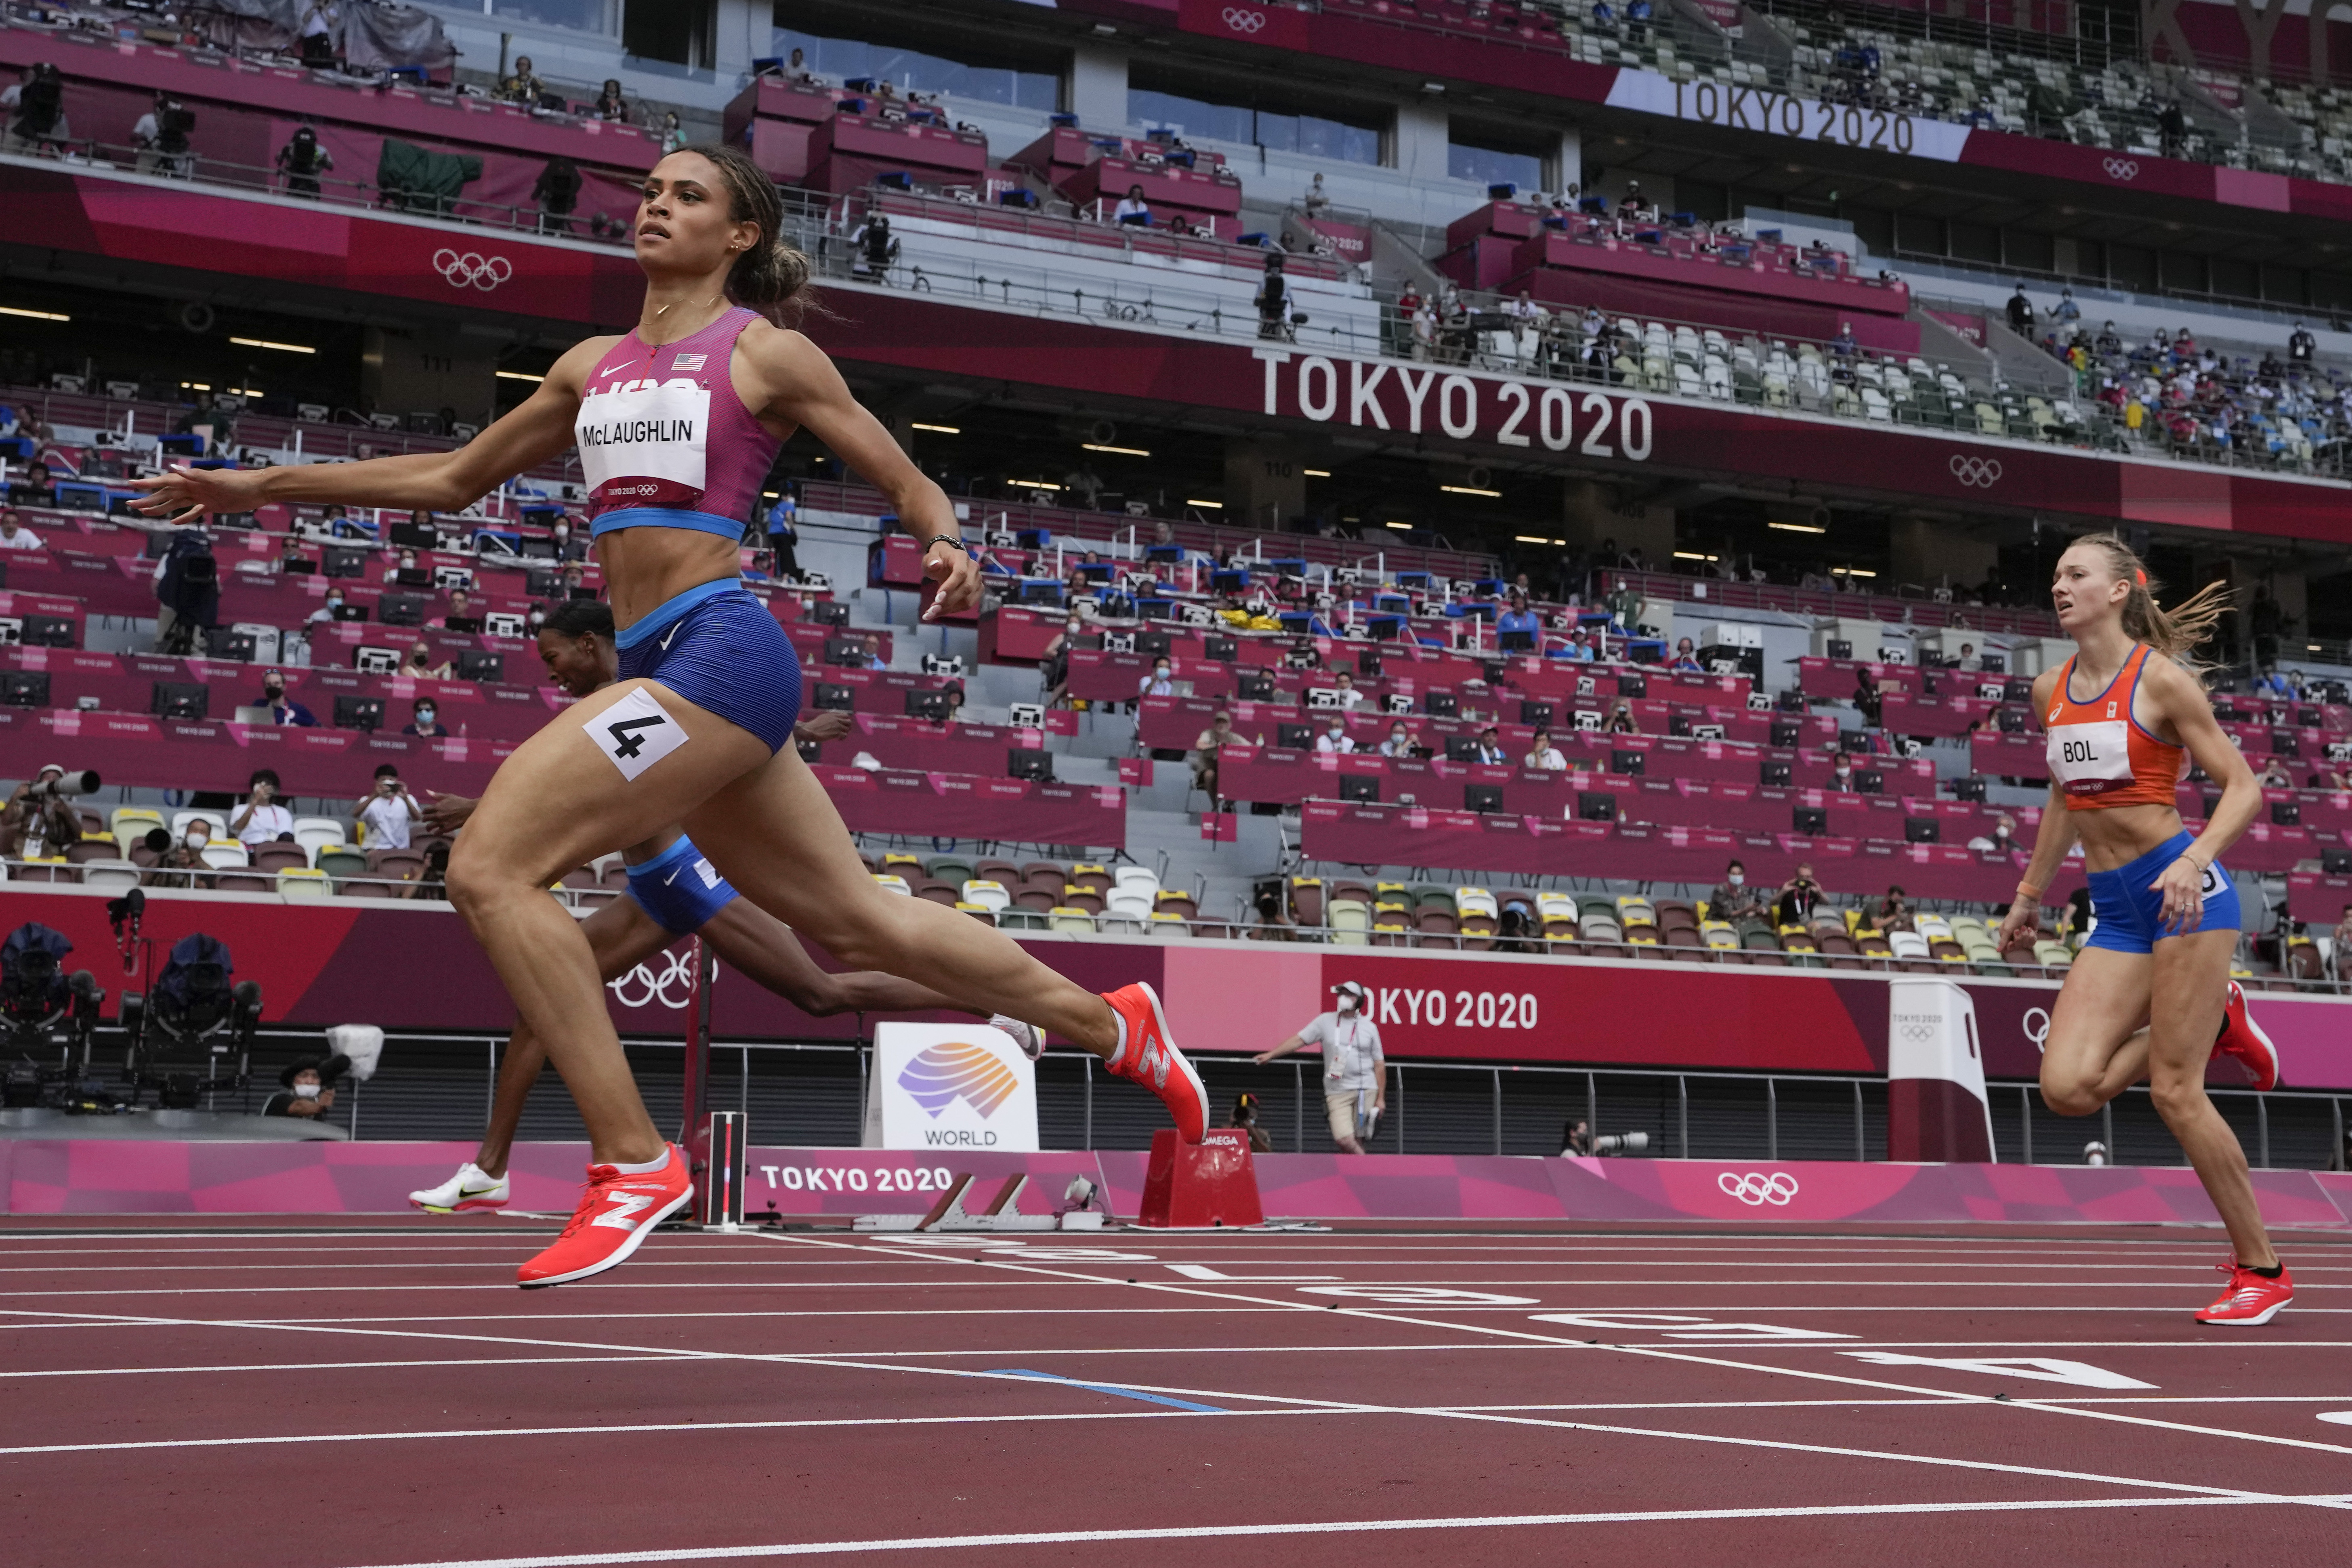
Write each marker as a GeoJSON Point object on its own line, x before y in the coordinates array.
{"type": "Point", "coordinates": [65, 1176]}
{"type": "Point", "coordinates": [322, 964]}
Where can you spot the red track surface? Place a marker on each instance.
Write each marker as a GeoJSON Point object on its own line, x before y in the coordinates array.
{"type": "Point", "coordinates": [380, 1394]}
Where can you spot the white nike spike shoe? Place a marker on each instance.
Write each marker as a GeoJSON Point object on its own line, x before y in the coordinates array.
{"type": "Point", "coordinates": [1028, 1037]}
{"type": "Point", "coordinates": [468, 1189]}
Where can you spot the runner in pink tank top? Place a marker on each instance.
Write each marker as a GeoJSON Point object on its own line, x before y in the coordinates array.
{"type": "Point", "coordinates": [692, 733]}
{"type": "Point", "coordinates": [664, 442]}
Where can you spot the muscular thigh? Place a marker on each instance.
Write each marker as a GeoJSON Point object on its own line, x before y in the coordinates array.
{"type": "Point", "coordinates": [776, 836]}
{"type": "Point", "coordinates": [2104, 999]}
{"type": "Point", "coordinates": [2191, 984]}
{"type": "Point", "coordinates": [563, 798]}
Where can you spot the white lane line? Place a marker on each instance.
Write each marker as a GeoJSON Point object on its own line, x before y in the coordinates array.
{"type": "Point", "coordinates": [337, 1365]}
{"type": "Point", "coordinates": [880, 1258]}
{"type": "Point", "coordinates": [638, 1282]}
{"type": "Point", "coordinates": [1304, 1404]}
{"type": "Point", "coordinates": [629, 1429]}
{"type": "Point", "coordinates": [1065, 1274]}
{"type": "Point", "coordinates": [1682, 1355]}
{"type": "Point", "coordinates": [1165, 1353]}
{"type": "Point", "coordinates": [1335, 1527]}
{"type": "Point", "coordinates": [2105, 1311]}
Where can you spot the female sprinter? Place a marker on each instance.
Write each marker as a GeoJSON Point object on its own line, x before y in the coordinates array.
{"type": "Point", "coordinates": [2151, 996]}
{"type": "Point", "coordinates": [678, 424]}
{"type": "Point", "coordinates": [673, 893]}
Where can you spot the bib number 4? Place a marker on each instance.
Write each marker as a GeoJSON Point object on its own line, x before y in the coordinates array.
{"type": "Point", "coordinates": [634, 734]}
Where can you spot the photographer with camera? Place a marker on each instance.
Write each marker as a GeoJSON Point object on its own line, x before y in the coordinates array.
{"type": "Point", "coordinates": [302, 160]}
{"type": "Point", "coordinates": [161, 137]}
{"type": "Point", "coordinates": [41, 822]}
{"type": "Point", "coordinates": [188, 592]}
{"type": "Point", "coordinates": [307, 1086]}
{"type": "Point", "coordinates": [263, 820]}
{"type": "Point", "coordinates": [36, 112]}
{"type": "Point", "coordinates": [385, 813]}
{"type": "Point", "coordinates": [183, 858]}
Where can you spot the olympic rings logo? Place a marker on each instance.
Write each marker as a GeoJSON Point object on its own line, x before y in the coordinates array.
{"type": "Point", "coordinates": [642, 987]}
{"type": "Point", "coordinates": [472, 271]}
{"type": "Point", "coordinates": [2122, 169]}
{"type": "Point", "coordinates": [1241, 21]}
{"type": "Point", "coordinates": [1755, 1189]}
{"type": "Point", "coordinates": [1977, 473]}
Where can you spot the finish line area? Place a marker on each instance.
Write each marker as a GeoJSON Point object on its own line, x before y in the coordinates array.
{"type": "Point", "coordinates": [375, 1392]}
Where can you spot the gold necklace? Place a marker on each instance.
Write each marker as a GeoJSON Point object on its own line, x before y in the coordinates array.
{"type": "Point", "coordinates": [712, 301]}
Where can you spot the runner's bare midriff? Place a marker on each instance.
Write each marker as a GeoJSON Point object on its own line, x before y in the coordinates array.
{"type": "Point", "coordinates": [646, 567]}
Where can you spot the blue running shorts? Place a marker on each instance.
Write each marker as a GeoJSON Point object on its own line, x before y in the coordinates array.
{"type": "Point", "coordinates": [719, 647]}
{"type": "Point", "coordinates": [679, 888]}
{"type": "Point", "coordinates": [2129, 910]}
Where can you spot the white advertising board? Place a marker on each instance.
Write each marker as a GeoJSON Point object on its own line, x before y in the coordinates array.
{"type": "Point", "coordinates": [948, 1087]}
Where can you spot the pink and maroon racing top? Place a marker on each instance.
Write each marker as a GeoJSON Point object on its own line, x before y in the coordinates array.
{"type": "Point", "coordinates": [664, 440]}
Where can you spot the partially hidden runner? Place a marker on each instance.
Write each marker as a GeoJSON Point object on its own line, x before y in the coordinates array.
{"type": "Point", "coordinates": [2149, 996]}
{"type": "Point", "coordinates": [674, 892]}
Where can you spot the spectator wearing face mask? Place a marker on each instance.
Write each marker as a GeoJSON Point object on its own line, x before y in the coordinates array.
{"type": "Point", "coordinates": [1399, 741]}
{"type": "Point", "coordinates": [1798, 894]}
{"type": "Point", "coordinates": [1161, 683]}
{"type": "Point", "coordinates": [328, 612]}
{"type": "Point", "coordinates": [425, 719]}
{"type": "Point", "coordinates": [1735, 902]}
{"type": "Point", "coordinates": [1054, 668]}
{"type": "Point", "coordinates": [1355, 1073]}
{"type": "Point", "coordinates": [1842, 773]}
{"type": "Point", "coordinates": [186, 855]}
{"type": "Point", "coordinates": [1335, 738]}
{"type": "Point", "coordinates": [261, 820]}
{"type": "Point", "coordinates": [308, 1087]}
{"type": "Point", "coordinates": [385, 813]}
{"type": "Point", "coordinates": [2003, 837]}
{"type": "Point", "coordinates": [283, 709]}
{"type": "Point", "coordinates": [419, 665]}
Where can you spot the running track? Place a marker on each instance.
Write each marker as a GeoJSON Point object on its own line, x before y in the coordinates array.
{"type": "Point", "coordinates": [379, 1393]}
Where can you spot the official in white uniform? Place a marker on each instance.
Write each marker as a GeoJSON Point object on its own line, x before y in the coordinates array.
{"type": "Point", "coordinates": [1355, 1073]}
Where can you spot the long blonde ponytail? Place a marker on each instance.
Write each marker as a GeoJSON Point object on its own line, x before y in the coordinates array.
{"type": "Point", "coordinates": [2176, 633]}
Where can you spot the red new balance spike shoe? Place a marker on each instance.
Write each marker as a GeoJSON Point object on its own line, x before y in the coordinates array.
{"type": "Point", "coordinates": [2251, 1300]}
{"type": "Point", "coordinates": [616, 1212]}
{"type": "Point", "coordinates": [2243, 1038]}
{"type": "Point", "coordinates": [1151, 1058]}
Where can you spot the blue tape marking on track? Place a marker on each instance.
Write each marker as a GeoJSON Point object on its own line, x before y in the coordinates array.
{"type": "Point", "coordinates": [1110, 1388]}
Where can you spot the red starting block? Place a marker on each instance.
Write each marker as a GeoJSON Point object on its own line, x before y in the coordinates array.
{"type": "Point", "coordinates": [1212, 1182]}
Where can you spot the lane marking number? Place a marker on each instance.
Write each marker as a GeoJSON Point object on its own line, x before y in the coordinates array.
{"type": "Point", "coordinates": [2036, 1368]}
{"type": "Point", "coordinates": [1674, 1326]}
{"type": "Point", "coordinates": [1418, 1295]}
